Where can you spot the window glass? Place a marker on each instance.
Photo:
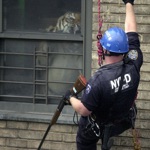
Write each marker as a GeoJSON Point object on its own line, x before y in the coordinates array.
{"type": "Point", "coordinates": [58, 16]}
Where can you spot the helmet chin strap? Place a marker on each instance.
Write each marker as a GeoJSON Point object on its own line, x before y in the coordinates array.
{"type": "Point", "coordinates": [107, 53]}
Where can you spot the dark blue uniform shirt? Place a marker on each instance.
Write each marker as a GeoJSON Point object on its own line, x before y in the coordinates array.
{"type": "Point", "coordinates": [100, 95]}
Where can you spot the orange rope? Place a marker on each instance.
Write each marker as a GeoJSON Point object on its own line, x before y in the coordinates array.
{"type": "Point", "coordinates": [137, 145]}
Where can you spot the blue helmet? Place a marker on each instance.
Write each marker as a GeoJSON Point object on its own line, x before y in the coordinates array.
{"type": "Point", "coordinates": [115, 40]}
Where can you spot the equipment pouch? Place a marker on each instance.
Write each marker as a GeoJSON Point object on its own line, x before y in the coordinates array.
{"type": "Point", "coordinates": [132, 115]}
{"type": "Point", "coordinates": [92, 129]}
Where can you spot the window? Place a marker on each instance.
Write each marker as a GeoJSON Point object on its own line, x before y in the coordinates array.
{"type": "Point", "coordinates": [42, 51]}
{"type": "Point", "coordinates": [42, 16]}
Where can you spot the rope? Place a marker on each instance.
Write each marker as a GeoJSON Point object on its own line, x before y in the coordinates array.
{"type": "Point", "coordinates": [99, 36]}
{"type": "Point", "coordinates": [136, 142]}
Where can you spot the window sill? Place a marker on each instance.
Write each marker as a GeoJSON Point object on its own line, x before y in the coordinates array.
{"type": "Point", "coordinates": [7, 113]}
{"type": "Point", "coordinates": [41, 36]}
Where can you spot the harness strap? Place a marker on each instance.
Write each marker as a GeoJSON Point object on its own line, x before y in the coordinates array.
{"type": "Point", "coordinates": [106, 143]}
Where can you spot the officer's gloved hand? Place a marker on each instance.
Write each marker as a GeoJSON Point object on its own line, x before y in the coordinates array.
{"type": "Point", "coordinates": [128, 1]}
{"type": "Point", "coordinates": [67, 97]}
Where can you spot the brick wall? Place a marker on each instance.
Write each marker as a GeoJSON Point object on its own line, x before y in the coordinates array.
{"type": "Point", "coordinates": [113, 14]}
{"type": "Point", "coordinates": [27, 135]}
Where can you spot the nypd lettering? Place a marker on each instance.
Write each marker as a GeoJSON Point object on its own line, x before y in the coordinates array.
{"type": "Point", "coordinates": [127, 81]}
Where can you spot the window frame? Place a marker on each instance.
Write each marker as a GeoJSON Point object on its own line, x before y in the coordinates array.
{"type": "Point", "coordinates": [0, 16]}
{"type": "Point", "coordinates": [34, 112]}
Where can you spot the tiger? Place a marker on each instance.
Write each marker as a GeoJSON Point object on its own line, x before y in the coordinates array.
{"type": "Point", "coordinates": [70, 22]}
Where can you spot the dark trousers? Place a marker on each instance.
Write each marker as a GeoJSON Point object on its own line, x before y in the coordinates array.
{"type": "Point", "coordinates": [86, 142]}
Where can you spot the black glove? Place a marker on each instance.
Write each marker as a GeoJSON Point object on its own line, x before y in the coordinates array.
{"type": "Point", "coordinates": [128, 1]}
{"type": "Point", "coordinates": [67, 97]}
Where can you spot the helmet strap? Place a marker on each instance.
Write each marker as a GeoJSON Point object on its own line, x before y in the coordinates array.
{"type": "Point", "coordinates": [103, 55]}
{"type": "Point", "coordinates": [107, 53]}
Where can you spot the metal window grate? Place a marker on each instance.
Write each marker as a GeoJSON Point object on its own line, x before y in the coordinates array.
{"type": "Point", "coordinates": [33, 75]}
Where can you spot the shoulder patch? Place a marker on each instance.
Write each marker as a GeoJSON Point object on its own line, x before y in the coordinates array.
{"type": "Point", "coordinates": [88, 89]}
{"type": "Point", "coordinates": [132, 54]}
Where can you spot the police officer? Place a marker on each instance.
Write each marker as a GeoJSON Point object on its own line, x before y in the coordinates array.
{"type": "Point", "coordinates": [110, 93]}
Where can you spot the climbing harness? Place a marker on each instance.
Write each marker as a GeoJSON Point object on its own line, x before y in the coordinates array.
{"type": "Point", "coordinates": [99, 36]}
{"type": "Point", "coordinates": [106, 141]}
{"type": "Point", "coordinates": [92, 129]}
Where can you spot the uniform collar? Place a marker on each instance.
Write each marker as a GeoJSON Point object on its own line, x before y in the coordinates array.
{"type": "Point", "coordinates": [120, 63]}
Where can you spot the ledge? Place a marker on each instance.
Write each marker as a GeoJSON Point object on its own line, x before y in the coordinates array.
{"type": "Point", "coordinates": [31, 112]}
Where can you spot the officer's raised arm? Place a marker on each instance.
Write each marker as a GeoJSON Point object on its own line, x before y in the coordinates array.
{"type": "Point", "coordinates": [130, 20]}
